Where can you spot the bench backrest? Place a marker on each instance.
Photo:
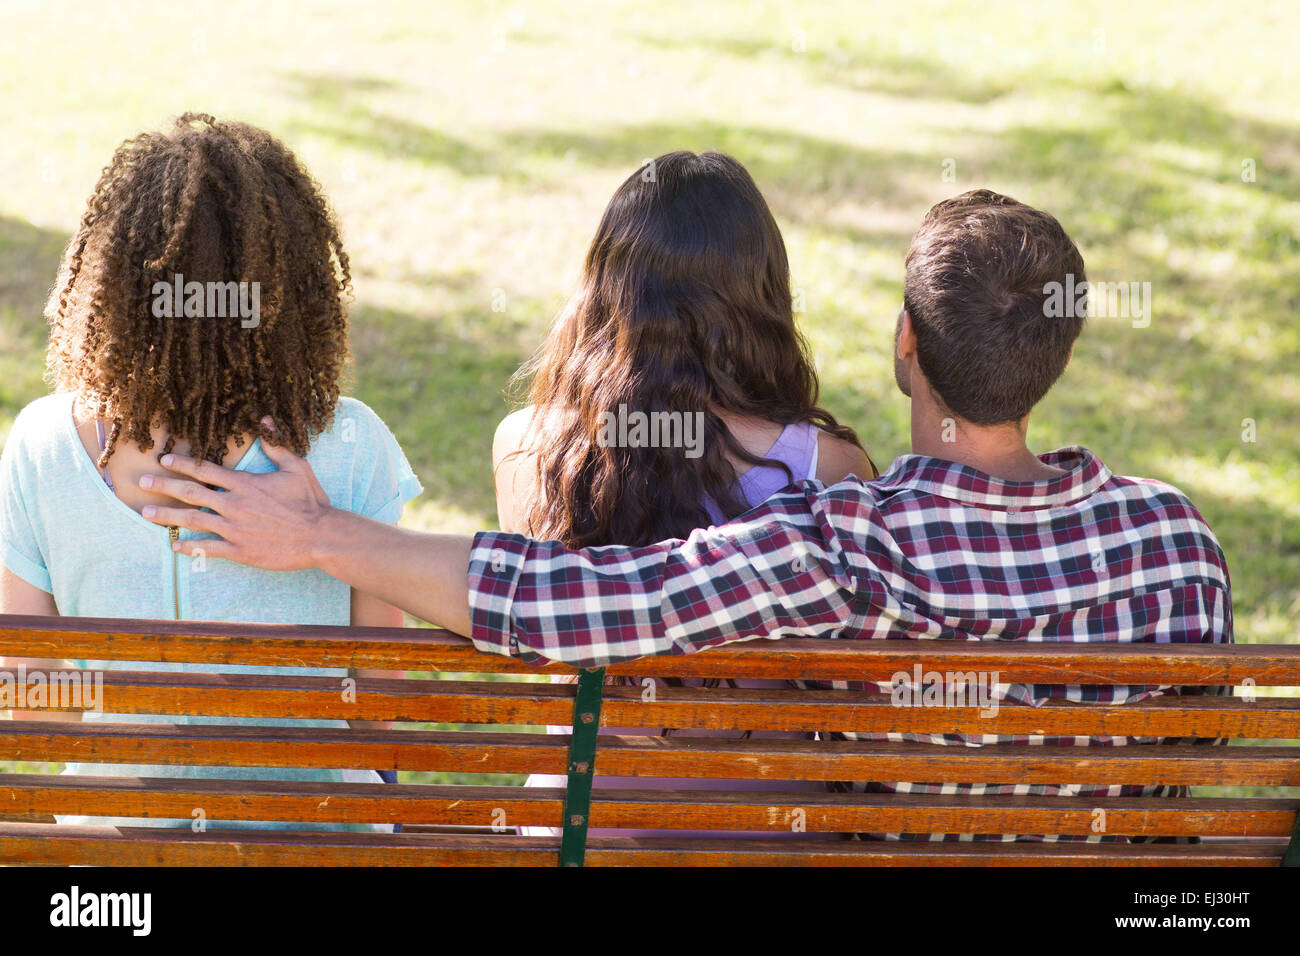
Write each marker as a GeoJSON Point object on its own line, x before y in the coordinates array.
{"type": "Point", "coordinates": [502, 706]}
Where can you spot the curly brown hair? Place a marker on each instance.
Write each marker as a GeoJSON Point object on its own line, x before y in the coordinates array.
{"type": "Point", "coordinates": [214, 202]}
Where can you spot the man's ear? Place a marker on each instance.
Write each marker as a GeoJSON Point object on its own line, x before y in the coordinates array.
{"type": "Point", "coordinates": [906, 343]}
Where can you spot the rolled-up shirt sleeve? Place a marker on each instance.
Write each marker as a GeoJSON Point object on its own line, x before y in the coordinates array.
{"type": "Point", "coordinates": [777, 571]}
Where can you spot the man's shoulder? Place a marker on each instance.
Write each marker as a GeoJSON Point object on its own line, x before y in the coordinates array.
{"type": "Point", "coordinates": [1178, 523]}
{"type": "Point", "coordinates": [1154, 495]}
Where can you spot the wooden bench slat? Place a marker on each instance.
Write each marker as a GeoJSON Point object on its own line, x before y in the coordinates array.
{"type": "Point", "coordinates": [1015, 661]}
{"type": "Point", "coordinates": [810, 659]}
{"type": "Point", "coordinates": [66, 845]}
{"type": "Point", "coordinates": [28, 843]}
{"type": "Point", "coordinates": [26, 795]}
{"type": "Point", "coordinates": [520, 703]}
{"type": "Point", "coordinates": [616, 852]}
{"type": "Point", "coordinates": [646, 756]}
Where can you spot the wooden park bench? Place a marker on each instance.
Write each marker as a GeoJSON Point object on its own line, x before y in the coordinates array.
{"type": "Point", "coordinates": [453, 825]}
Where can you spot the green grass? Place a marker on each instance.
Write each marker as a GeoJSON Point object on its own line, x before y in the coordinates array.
{"type": "Point", "coordinates": [470, 149]}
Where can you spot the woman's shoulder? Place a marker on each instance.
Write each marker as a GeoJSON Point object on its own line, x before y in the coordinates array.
{"type": "Point", "coordinates": [511, 433]}
{"type": "Point", "coordinates": [355, 429]}
{"type": "Point", "coordinates": [359, 461]}
{"type": "Point", "coordinates": [47, 408]}
{"type": "Point", "coordinates": [355, 410]}
{"type": "Point", "coordinates": [838, 458]}
{"type": "Point", "coordinates": [41, 423]}
{"type": "Point", "coordinates": [356, 440]}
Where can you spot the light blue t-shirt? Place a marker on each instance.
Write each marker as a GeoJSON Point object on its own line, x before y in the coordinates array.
{"type": "Point", "coordinates": [62, 530]}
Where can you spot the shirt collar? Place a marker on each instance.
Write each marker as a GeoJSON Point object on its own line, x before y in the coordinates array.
{"type": "Point", "coordinates": [1084, 475]}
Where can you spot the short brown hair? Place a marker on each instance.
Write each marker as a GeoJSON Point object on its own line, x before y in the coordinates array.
{"type": "Point", "coordinates": [978, 272]}
{"type": "Point", "coordinates": [215, 202]}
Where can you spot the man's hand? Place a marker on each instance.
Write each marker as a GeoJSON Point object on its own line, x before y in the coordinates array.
{"type": "Point", "coordinates": [282, 521]}
{"type": "Point", "coordinates": [269, 521]}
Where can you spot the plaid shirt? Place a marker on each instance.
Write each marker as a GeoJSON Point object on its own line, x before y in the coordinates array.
{"type": "Point", "coordinates": [931, 549]}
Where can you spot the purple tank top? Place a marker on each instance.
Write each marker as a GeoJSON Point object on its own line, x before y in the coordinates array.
{"type": "Point", "coordinates": [99, 432]}
{"type": "Point", "coordinates": [796, 448]}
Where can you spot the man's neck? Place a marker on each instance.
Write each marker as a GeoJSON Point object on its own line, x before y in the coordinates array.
{"type": "Point", "coordinates": [997, 450]}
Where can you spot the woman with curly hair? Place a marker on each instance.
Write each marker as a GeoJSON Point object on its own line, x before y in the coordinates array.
{"type": "Point", "coordinates": [204, 292]}
{"type": "Point", "coordinates": [682, 326]}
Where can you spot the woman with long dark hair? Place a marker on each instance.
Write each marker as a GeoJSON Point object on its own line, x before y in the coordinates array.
{"type": "Point", "coordinates": [675, 391]}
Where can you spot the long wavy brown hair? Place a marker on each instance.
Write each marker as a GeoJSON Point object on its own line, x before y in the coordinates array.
{"type": "Point", "coordinates": [684, 306]}
{"type": "Point", "coordinates": [213, 202]}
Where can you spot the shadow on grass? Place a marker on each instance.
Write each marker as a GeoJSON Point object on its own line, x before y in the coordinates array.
{"type": "Point", "coordinates": [889, 72]}
{"type": "Point", "coordinates": [350, 121]}
{"type": "Point", "coordinates": [1131, 164]}
{"type": "Point", "coordinates": [438, 381]}
{"type": "Point", "coordinates": [29, 260]}
{"type": "Point", "coordinates": [801, 175]}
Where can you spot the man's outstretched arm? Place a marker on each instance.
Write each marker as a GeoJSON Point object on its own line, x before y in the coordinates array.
{"type": "Point", "coordinates": [773, 574]}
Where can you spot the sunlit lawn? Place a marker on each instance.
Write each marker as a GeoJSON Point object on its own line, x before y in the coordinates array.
{"type": "Point", "coordinates": [470, 148]}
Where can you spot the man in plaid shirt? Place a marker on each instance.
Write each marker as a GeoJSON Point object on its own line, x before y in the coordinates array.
{"type": "Point", "coordinates": [970, 537]}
